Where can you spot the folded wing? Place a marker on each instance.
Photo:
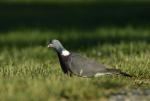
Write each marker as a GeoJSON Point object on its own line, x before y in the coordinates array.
{"type": "Point", "coordinates": [85, 67]}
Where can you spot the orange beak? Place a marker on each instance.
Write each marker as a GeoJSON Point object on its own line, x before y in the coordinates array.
{"type": "Point", "coordinates": [50, 46]}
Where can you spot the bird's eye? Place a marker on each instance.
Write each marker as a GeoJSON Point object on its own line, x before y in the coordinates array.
{"type": "Point", "coordinates": [48, 42]}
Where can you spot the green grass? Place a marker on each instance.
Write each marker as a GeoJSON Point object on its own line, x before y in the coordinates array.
{"type": "Point", "coordinates": [30, 71]}
{"type": "Point", "coordinates": [71, 1]}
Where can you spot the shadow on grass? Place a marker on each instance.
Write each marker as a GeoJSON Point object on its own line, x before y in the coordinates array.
{"type": "Point", "coordinates": [85, 16]}
{"type": "Point", "coordinates": [80, 43]}
{"type": "Point", "coordinates": [108, 85]}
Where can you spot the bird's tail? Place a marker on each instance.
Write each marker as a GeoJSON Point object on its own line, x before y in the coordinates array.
{"type": "Point", "coordinates": [119, 72]}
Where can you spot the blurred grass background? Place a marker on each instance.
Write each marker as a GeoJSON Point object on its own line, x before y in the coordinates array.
{"type": "Point", "coordinates": [115, 33]}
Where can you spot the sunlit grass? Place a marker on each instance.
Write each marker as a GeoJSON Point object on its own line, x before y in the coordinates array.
{"type": "Point", "coordinates": [30, 71]}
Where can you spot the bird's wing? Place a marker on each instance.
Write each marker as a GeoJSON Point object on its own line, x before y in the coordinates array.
{"type": "Point", "coordinates": [84, 66]}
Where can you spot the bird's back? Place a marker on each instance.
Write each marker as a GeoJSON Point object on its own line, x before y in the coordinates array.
{"type": "Point", "coordinates": [84, 66]}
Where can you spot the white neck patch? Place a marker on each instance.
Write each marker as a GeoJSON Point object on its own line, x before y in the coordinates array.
{"type": "Point", "coordinates": [65, 53]}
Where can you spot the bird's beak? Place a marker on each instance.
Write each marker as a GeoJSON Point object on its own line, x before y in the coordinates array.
{"type": "Point", "coordinates": [50, 45]}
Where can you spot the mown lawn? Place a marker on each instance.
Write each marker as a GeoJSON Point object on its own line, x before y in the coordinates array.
{"type": "Point", "coordinates": [30, 71]}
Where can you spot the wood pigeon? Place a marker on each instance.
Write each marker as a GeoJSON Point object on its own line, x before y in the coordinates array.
{"type": "Point", "coordinates": [73, 63]}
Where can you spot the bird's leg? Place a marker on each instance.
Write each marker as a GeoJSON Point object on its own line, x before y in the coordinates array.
{"type": "Point", "coordinates": [69, 74]}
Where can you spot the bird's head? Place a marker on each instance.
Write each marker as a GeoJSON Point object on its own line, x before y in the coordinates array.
{"type": "Point", "coordinates": [55, 44]}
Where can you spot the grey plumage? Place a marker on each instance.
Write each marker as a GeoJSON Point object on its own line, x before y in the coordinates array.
{"type": "Point", "coordinates": [74, 63]}
{"type": "Point", "coordinates": [85, 67]}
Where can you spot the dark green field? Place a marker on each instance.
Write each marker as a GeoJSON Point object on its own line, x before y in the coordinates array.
{"type": "Point", "coordinates": [117, 35]}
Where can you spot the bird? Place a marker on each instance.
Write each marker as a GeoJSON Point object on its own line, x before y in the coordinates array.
{"type": "Point", "coordinates": [75, 64]}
